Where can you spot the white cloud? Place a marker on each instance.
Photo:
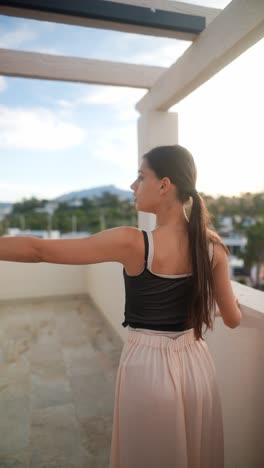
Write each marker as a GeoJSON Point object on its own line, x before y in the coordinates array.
{"type": "Point", "coordinates": [162, 56]}
{"type": "Point", "coordinates": [37, 129]}
{"type": "Point", "coordinates": [117, 145]}
{"type": "Point", "coordinates": [13, 192]}
{"type": "Point", "coordinates": [121, 100]}
{"type": "Point", "coordinates": [13, 186]}
{"type": "Point", "coordinates": [25, 36]}
{"type": "Point", "coordinates": [64, 104]}
{"type": "Point", "coordinates": [14, 39]}
{"type": "Point", "coordinates": [46, 50]}
{"type": "Point", "coordinates": [3, 84]}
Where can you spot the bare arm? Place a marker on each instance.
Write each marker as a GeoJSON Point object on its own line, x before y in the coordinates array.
{"type": "Point", "coordinates": [19, 249]}
{"type": "Point", "coordinates": [112, 245]}
{"type": "Point", "coordinates": [218, 312]}
{"type": "Point", "coordinates": [224, 296]}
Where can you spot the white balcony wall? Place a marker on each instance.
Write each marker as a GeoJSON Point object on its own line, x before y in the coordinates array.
{"type": "Point", "coordinates": [103, 282]}
{"type": "Point", "coordinates": [237, 353]}
{"type": "Point", "coordinates": [238, 357]}
{"type": "Point", "coordinates": [105, 285]}
{"type": "Point", "coordinates": [28, 280]}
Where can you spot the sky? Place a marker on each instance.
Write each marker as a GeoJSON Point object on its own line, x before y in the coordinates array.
{"type": "Point", "coordinates": [58, 137]}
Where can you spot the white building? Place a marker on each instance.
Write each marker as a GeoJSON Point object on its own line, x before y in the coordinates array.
{"type": "Point", "coordinates": [49, 208]}
{"type": "Point", "coordinates": [34, 232]}
{"type": "Point", "coordinates": [236, 244]}
{"type": "Point", "coordinates": [75, 203]}
{"type": "Point", "coordinates": [5, 210]}
{"type": "Point", "coordinates": [74, 234]}
{"type": "Point", "coordinates": [226, 224]}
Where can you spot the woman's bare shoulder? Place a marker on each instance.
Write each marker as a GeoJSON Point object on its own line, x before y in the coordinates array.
{"type": "Point", "coordinates": [135, 235]}
{"type": "Point", "coordinates": [220, 249]}
{"type": "Point", "coordinates": [213, 236]}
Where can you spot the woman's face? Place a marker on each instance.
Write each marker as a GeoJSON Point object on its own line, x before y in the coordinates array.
{"type": "Point", "coordinates": [146, 189]}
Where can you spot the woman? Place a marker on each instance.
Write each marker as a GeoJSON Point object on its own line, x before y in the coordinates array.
{"type": "Point", "coordinates": [167, 410]}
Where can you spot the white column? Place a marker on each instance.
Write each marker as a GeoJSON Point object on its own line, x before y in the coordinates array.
{"type": "Point", "coordinates": [154, 129]}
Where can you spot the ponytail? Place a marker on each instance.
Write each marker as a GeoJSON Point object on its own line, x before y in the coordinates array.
{"type": "Point", "coordinates": [202, 303]}
{"type": "Point", "coordinates": [203, 293]}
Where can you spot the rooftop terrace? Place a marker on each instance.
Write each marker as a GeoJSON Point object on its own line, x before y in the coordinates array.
{"type": "Point", "coordinates": [58, 360]}
{"type": "Point", "coordinates": [61, 339]}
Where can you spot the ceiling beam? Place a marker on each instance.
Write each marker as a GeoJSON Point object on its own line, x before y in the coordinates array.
{"type": "Point", "coordinates": [234, 30]}
{"type": "Point", "coordinates": [80, 70]}
{"type": "Point", "coordinates": [108, 15]}
{"type": "Point", "coordinates": [177, 7]}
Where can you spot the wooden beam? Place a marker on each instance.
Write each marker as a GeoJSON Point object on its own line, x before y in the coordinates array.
{"type": "Point", "coordinates": [81, 70]}
{"type": "Point", "coordinates": [109, 15]}
{"type": "Point", "coordinates": [238, 27]}
{"type": "Point", "coordinates": [177, 7]}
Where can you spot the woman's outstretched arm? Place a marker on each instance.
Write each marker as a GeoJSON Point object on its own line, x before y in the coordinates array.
{"type": "Point", "coordinates": [111, 245]}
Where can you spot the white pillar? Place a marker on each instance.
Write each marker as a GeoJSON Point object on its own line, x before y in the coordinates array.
{"type": "Point", "coordinates": [154, 129]}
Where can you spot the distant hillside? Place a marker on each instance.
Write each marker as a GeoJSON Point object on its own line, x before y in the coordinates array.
{"type": "Point", "coordinates": [5, 204]}
{"type": "Point", "coordinates": [96, 192]}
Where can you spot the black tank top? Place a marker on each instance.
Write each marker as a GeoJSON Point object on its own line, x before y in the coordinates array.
{"type": "Point", "coordinates": [157, 302]}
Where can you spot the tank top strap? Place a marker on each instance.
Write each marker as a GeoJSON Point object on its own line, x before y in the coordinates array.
{"type": "Point", "coordinates": [151, 249]}
{"type": "Point", "coordinates": [146, 242]}
{"type": "Point", "coordinates": [211, 250]}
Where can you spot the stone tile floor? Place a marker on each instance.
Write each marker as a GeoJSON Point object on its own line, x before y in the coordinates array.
{"type": "Point", "coordinates": [58, 364]}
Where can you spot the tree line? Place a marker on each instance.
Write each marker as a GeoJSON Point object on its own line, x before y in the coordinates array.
{"type": "Point", "coordinates": [92, 216]}
{"type": "Point", "coordinates": [108, 210]}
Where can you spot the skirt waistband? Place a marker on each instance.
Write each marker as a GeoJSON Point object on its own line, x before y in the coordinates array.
{"type": "Point", "coordinates": [161, 341]}
{"type": "Point", "coordinates": [158, 332]}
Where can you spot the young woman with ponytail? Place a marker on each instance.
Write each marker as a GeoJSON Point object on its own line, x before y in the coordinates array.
{"type": "Point", "coordinates": [167, 409]}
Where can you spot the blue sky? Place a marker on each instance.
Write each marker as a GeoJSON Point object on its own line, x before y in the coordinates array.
{"type": "Point", "coordinates": [58, 137]}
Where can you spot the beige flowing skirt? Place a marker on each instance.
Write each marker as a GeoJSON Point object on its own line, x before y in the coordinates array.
{"type": "Point", "coordinates": [167, 409]}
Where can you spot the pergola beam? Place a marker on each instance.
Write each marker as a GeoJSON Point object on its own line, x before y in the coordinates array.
{"type": "Point", "coordinates": [177, 7]}
{"type": "Point", "coordinates": [238, 27]}
{"type": "Point", "coordinates": [108, 15]}
{"type": "Point", "coordinates": [81, 70]}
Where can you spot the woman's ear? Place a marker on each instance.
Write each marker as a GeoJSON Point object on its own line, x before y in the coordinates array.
{"type": "Point", "coordinates": [166, 183]}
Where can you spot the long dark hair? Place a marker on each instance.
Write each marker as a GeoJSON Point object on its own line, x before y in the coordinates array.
{"type": "Point", "coordinates": [177, 163]}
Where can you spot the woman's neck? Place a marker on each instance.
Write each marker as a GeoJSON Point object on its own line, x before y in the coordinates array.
{"type": "Point", "coordinates": [172, 217]}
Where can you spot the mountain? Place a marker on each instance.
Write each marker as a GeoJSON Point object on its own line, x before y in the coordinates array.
{"type": "Point", "coordinates": [96, 192]}
{"type": "Point", "coordinates": [5, 205]}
